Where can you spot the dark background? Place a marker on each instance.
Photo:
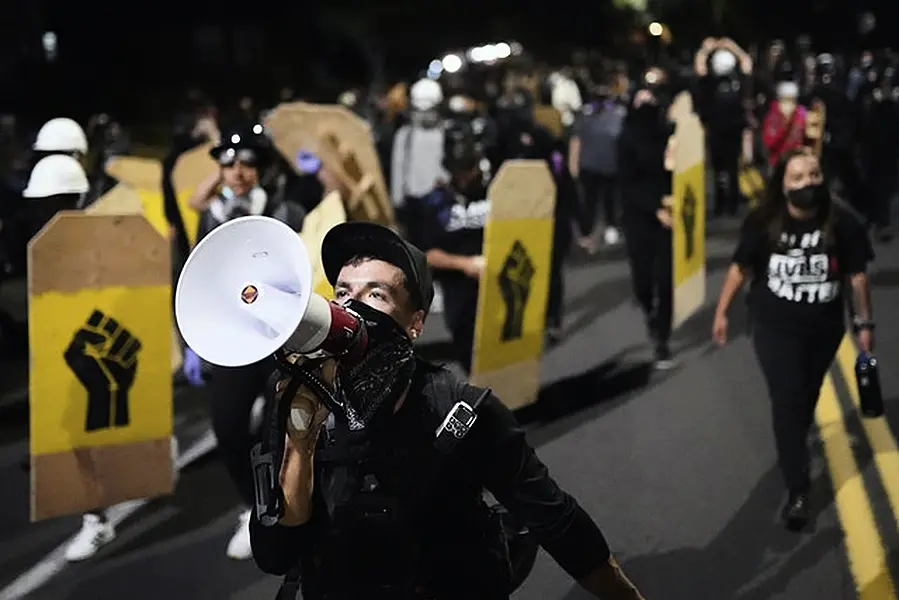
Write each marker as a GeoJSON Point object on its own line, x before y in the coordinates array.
{"type": "Point", "coordinates": [137, 59]}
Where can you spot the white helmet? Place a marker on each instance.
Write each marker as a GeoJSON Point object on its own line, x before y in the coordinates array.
{"type": "Point", "coordinates": [425, 94]}
{"type": "Point", "coordinates": [723, 63]}
{"type": "Point", "coordinates": [61, 135]}
{"type": "Point", "coordinates": [788, 90]}
{"type": "Point", "coordinates": [56, 174]}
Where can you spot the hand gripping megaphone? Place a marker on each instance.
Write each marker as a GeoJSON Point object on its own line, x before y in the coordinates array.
{"type": "Point", "coordinates": [245, 293]}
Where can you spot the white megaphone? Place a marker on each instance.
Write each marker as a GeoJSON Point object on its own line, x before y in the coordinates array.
{"type": "Point", "coordinates": [245, 292]}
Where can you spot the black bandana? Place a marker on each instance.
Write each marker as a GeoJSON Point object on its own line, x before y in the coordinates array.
{"type": "Point", "coordinates": [383, 374]}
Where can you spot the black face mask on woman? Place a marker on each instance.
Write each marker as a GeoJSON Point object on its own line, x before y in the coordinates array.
{"type": "Point", "coordinates": [809, 197]}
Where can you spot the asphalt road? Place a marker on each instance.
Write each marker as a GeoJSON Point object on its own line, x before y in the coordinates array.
{"type": "Point", "coordinates": [677, 467]}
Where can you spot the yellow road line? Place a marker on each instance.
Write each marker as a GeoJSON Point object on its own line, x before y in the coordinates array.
{"type": "Point", "coordinates": [883, 444]}
{"type": "Point", "coordinates": [867, 557]}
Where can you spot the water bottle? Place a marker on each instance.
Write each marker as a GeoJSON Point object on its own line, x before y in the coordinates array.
{"type": "Point", "coordinates": [868, 380]}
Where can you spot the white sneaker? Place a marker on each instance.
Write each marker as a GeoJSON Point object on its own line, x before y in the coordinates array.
{"type": "Point", "coordinates": [257, 414]}
{"type": "Point", "coordinates": [239, 547]}
{"type": "Point", "coordinates": [611, 236]}
{"type": "Point", "coordinates": [94, 535]}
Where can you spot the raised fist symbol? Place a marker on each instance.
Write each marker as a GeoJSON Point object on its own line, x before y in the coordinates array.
{"type": "Point", "coordinates": [103, 356]}
{"type": "Point", "coordinates": [515, 285]}
{"type": "Point", "coordinates": [688, 216]}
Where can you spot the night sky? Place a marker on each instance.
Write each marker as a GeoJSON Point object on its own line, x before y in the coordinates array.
{"type": "Point", "coordinates": [139, 56]}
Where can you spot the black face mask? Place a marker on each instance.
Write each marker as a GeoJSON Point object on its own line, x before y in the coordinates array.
{"type": "Point", "coordinates": [374, 386]}
{"type": "Point", "coordinates": [811, 196]}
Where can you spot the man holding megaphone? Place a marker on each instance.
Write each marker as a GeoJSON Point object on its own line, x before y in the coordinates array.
{"type": "Point", "coordinates": [372, 464]}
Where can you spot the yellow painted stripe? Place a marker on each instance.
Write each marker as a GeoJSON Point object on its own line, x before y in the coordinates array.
{"type": "Point", "coordinates": [883, 444]}
{"type": "Point", "coordinates": [867, 558]}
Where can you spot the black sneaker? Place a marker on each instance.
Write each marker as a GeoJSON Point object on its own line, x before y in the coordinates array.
{"type": "Point", "coordinates": [652, 329]}
{"type": "Point", "coordinates": [796, 512]}
{"type": "Point", "coordinates": [663, 360]}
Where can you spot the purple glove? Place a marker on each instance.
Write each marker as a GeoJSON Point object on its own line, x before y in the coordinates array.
{"type": "Point", "coordinates": [193, 368]}
{"type": "Point", "coordinates": [308, 163]}
{"type": "Point", "coordinates": [557, 162]}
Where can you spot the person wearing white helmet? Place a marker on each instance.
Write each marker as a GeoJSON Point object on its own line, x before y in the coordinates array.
{"type": "Point", "coordinates": [724, 68]}
{"type": "Point", "coordinates": [57, 182]}
{"type": "Point", "coordinates": [64, 136]}
{"type": "Point", "coordinates": [61, 136]}
{"type": "Point", "coordinates": [417, 156]}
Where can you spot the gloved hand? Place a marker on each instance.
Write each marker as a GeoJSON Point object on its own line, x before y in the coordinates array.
{"type": "Point", "coordinates": [193, 368]}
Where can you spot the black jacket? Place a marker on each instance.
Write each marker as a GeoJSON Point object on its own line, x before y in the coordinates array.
{"type": "Point", "coordinates": [442, 498]}
{"type": "Point", "coordinates": [641, 159]}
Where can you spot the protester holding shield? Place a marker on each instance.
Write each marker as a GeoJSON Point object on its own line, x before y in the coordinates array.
{"type": "Point", "coordinates": [646, 183]}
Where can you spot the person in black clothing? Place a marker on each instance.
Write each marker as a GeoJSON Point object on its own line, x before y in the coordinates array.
{"type": "Point", "coordinates": [838, 156]}
{"type": "Point", "coordinates": [798, 249]}
{"type": "Point", "coordinates": [452, 233]}
{"type": "Point", "coordinates": [878, 132]}
{"type": "Point", "coordinates": [242, 155]}
{"type": "Point", "coordinates": [647, 219]}
{"type": "Point", "coordinates": [381, 512]}
{"type": "Point", "coordinates": [721, 95]}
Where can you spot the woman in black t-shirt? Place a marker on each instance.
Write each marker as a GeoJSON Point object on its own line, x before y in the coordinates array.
{"type": "Point", "coordinates": [798, 249]}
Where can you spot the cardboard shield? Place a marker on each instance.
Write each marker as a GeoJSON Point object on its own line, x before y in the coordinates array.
{"type": "Point", "coordinates": [120, 200]}
{"type": "Point", "coordinates": [317, 223]}
{"type": "Point", "coordinates": [752, 184]}
{"type": "Point", "coordinates": [345, 146]}
{"type": "Point", "coordinates": [688, 210]}
{"type": "Point", "coordinates": [144, 176]}
{"type": "Point", "coordinates": [123, 200]}
{"type": "Point", "coordinates": [514, 286]}
{"type": "Point", "coordinates": [100, 324]}
{"type": "Point", "coordinates": [815, 127]}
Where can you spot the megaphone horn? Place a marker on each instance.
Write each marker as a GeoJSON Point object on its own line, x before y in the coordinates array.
{"type": "Point", "coordinates": [246, 291]}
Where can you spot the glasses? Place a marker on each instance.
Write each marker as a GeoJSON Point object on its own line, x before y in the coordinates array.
{"type": "Point", "coordinates": [244, 156]}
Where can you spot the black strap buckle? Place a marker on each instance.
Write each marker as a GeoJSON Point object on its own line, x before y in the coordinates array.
{"type": "Point", "coordinates": [269, 495]}
{"type": "Point", "coordinates": [266, 458]}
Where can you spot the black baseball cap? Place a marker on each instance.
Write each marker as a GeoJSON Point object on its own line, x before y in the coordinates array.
{"type": "Point", "coordinates": [244, 144]}
{"type": "Point", "coordinates": [346, 241]}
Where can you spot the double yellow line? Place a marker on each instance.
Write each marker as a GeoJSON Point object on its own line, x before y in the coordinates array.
{"type": "Point", "coordinates": [864, 545]}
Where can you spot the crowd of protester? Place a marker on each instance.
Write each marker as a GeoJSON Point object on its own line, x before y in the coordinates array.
{"type": "Point", "coordinates": [755, 105]}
